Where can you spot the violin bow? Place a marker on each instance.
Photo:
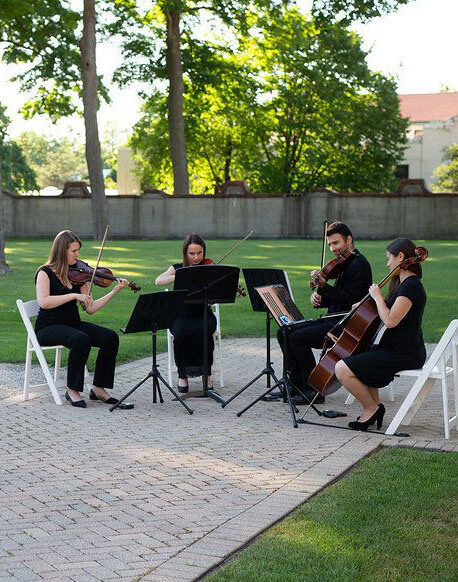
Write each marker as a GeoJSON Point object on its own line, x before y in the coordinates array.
{"type": "Point", "coordinates": [98, 258]}
{"type": "Point", "coordinates": [323, 250]}
{"type": "Point", "coordinates": [235, 246]}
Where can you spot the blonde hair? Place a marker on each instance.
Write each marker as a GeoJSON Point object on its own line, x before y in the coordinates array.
{"type": "Point", "coordinates": [57, 259]}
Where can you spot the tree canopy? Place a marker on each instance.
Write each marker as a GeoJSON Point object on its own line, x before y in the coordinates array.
{"type": "Point", "coordinates": [292, 107]}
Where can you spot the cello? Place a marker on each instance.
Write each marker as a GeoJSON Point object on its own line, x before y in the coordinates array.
{"type": "Point", "coordinates": [357, 329]}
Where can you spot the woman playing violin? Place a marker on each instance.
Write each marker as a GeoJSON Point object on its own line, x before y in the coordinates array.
{"type": "Point", "coordinates": [188, 328]}
{"type": "Point", "coordinates": [59, 322]}
{"type": "Point", "coordinates": [401, 346]}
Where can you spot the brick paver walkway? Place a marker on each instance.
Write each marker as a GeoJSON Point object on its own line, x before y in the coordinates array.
{"type": "Point", "coordinates": [154, 494]}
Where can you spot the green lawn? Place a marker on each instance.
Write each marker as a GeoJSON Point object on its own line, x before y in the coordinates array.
{"type": "Point", "coordinates": [394, 518]}
{"type": "Point", "coordinates": [142, 261]}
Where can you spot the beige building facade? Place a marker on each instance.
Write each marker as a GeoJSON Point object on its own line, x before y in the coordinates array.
{"type": "Point", "coordinates": [433, 126]}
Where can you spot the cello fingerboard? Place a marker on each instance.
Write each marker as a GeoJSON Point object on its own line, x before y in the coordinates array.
{"type": "Point", "coordinates": [280, 305]}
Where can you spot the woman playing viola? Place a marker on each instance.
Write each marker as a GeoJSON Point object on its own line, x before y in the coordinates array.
{"type": "Point", "coordinates": [188, 328]}
{"type": "Point", "coordinates": [59, 322]}
{"type": "Point", "coordinates": [401, 346]}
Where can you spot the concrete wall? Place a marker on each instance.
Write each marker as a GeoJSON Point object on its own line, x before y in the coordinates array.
{"type": "Point", "coordinates": [160, 217]}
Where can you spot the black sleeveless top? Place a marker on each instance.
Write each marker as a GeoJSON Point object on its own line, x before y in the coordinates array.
{"type": "Point", "coordinates": [66, 314]}
{"type": "Point", "coordinates": [407, 336]}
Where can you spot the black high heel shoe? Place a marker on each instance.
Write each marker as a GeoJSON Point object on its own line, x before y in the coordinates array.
{"type": "Point", "coordinates": [377, 417]}
{"type": "Point", "coordinates": [77, 403]}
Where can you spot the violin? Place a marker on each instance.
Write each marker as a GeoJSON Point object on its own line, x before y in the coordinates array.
{"type": "Point", "coordinates": [333, 268]}
{"type": "Point", "coordinates": [358, 328]}
{"type": "Point", "coordinates": [240, 290]}
{"type": "Point", "coordinates": [81, 272]}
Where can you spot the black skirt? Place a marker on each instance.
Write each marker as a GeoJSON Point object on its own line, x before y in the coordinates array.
{"type": "Point", "coordinates": [377, 367]}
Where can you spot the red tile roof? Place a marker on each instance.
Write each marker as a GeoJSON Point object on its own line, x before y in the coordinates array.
{"type": "Point", "coordinates": [429, 106]}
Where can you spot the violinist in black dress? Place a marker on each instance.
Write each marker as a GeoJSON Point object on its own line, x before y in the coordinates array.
{"type": "Point", "coordinates": [350, 287]}
{"type": "Point", "coordinates": [59, 322]}
{"type": "Point", "coordinates": [401, 346]}
{"type": "Point", "coordinates": [188, 328]}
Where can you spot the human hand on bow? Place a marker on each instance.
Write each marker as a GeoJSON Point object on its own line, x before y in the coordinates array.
{"type": "Point", "coordinates": [85, 299]}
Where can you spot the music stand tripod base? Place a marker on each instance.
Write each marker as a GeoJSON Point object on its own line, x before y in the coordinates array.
{"type": "Point", "coordinates": [152, 312]}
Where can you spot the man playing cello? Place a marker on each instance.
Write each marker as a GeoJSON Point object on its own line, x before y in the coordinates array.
{"type": "Point", "coordinates": [350, 287]}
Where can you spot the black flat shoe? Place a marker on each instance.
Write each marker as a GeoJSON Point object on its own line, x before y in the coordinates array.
{"type": "Point", "coordinates": [77, 403]}
{"type": "Point", "coordinates": [111, 400]}
{"type": "Point", "coordinates": [183, 389]}
{"type": "Point", "coordinates": [377, 417]}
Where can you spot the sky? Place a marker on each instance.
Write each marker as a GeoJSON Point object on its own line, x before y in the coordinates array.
{"type": "Point", "coordinates": [417, 44]}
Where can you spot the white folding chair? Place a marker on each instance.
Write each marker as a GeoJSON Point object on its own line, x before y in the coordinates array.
{"type": "Point", "coordinates": [53, 382]}
{"type": "Point", "coordinates": [216, 336]}
{"type": "Point", "coordinates": [440, 365]}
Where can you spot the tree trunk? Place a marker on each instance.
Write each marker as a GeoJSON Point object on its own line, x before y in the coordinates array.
{"type": "Point", "coordinates": [3, 264]}
{"type": "Point", "coordinates": [93, 153]}
{"type": "Point", "coordinates": [175, 105]}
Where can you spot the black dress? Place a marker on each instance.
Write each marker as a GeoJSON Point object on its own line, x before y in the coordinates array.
{"type": "Point", "coordinates": [62, 325]}
{"type": "Point", "coordinates": [401, 347]}
{"type": "Point", "coordinates": [188, 334]}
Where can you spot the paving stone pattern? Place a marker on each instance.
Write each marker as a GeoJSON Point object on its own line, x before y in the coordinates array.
{"type": "Point", "coordinates": [154, 494]}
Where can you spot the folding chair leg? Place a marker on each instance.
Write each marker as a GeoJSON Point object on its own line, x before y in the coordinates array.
{"type": "Point", "coordinates": [28, 366]}
{"type": "Point", "coordinates": [57, 362]}
{"type": "Point", "coordinates": [220, 357]}
{"type": "Point", "coordinates": [170, 357]}
{"type": "Point", "coordinates": [390, 392]}
{"type": "Point", "coordinates": [49, 378]}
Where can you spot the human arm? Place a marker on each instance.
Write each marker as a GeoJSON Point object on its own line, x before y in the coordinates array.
{"type": "Point", "coordinates": [166, 277]}
{"type": "Point", "coordinates": [47, 301]}
{"type": "Point", "coordinates": [94, 306]}
{"type": "Point", "coordinates": [390, 317]}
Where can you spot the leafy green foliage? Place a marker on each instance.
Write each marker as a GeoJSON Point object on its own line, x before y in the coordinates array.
{"type": "Point", "coordinates": [447, 174]}
{"type": "Point", "coordinates": [349, 10]}
{"type": "Point", "coordinates": [54, 161]}
{"type": "Point", "coordinates": [43, 36]}
{"type": "Point", "coordinates": [16, 174]}
{"type": "Point", "coordinates": [290, 108]}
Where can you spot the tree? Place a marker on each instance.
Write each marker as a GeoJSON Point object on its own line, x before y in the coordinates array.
{"type": "Point", "coordinates": [169, 32]}
{"type": "Point", "coordinates": [346, 11]}
{"type": "Point", "coordinates": [53, 161]}
{"type": "Point", "coordinates": [44, 35]}
{"type": "Point", "coordinates": [295, 108]}
{"type": "Point", "coordinates": [446, 175]}
{"type": "Point", "coordinates": [90, 97]}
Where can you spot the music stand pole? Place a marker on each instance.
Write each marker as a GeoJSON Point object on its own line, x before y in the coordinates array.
{"type": "Point", "coordinates": [268, 370]}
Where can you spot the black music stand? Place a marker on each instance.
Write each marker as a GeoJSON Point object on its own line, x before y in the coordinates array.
{"type": "Point", "coordinates": [284, 383]}
{"type": "Point", "coordinates": [259, 278]}
{"type": "Point", "coordinates": [152, 312]}
{"type": "Point", "coordinates": [207, 284]}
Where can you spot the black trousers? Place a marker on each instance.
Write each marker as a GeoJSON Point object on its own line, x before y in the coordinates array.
{"type": "Point", "coordinates": [79, 339]}
{"type": "Point", "coordinates": [301, 339]}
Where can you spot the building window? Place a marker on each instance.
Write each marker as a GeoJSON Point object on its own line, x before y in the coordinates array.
{"type": "Point", "coordinates": [402, 171]}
